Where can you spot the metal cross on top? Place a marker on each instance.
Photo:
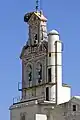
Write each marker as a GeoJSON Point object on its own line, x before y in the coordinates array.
{"type": "Point", "coordinates": [37, 4]}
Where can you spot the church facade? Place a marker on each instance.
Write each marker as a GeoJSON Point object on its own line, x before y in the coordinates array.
{"type": "Point", "coordinates": [44, 96]}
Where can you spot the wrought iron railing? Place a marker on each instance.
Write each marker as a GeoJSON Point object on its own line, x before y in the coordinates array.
{"type": "Point", "coordinates": [19, 86]}
{"type": "Point", "coordinates": [16, 99]}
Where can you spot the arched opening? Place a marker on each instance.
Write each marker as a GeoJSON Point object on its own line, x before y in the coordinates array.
{"type": "Point", "coordinates": [29, 69]}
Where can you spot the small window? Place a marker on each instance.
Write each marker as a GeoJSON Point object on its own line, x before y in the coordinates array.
{"type": "Point", "coordinates": [49, 54]}
{"type": "Point", "coordinates": [42, 34]}
{"type": "Point", "coordinates": [47, 93]}
{"type": "Point", "coordinates": [30, 76]}
{"type": "Point", "coordinates": [49, 75]}
{"type": "Point", "coordinates": [34, 18]}
{"type": "Point", "coordinates": [23, 117]}
{"type": "Point", "coordinates": [74, 107]}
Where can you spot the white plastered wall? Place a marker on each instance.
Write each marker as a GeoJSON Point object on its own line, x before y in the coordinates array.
{"type": "Point", "coordinates": [63, 95]}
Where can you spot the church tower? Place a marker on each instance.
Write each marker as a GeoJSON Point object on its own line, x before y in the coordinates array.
{"type": "Point", "coordinates": [34, 57]}
{"type": "Point", "coordinates": [41, 85]}
{"type": "Point", "coordinates": [41, 61]}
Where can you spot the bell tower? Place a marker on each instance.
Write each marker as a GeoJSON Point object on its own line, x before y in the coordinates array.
{"type": "Point", "coordinates": [37, 27]}
{"type": "Point", "coordinates": [34, 56]}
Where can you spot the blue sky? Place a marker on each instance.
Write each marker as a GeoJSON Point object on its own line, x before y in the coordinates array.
{"type": "Point", "coordinates": [61, 15]}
